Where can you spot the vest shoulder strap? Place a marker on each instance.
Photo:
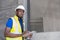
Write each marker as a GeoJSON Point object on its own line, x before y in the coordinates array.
{"type": "Point", "coordinates": [15, 26]}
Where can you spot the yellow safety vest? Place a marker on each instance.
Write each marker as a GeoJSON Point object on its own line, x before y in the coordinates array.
{"type": "Point", "coordinates": [16, 29]}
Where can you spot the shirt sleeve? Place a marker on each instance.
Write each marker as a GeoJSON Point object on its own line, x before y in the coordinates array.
{"type": "Point", "coordinates": [9, 23]}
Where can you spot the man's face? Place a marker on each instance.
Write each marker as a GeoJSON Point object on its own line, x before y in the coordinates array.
{"type": "Point", "coordinates": [20, 13]}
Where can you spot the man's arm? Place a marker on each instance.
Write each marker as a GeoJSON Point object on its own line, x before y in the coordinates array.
{"type": "Point", "coordinates": [8, 34]}
{"type": "Point", "coordinates": [7, 30]}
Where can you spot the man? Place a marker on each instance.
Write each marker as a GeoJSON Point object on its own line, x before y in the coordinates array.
{"type": "Point", "coordinates": [14, 26]}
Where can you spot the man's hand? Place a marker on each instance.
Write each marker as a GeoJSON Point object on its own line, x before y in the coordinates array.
{"type": "Point", "coordinates": [27, 34]}
{"type": "Point", "coordinates": [30, 35]}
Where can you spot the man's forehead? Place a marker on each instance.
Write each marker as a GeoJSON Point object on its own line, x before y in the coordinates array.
{"type": "Point", "coordinates": [19, 10]}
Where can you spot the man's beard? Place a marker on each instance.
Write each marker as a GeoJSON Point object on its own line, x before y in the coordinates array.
{"type": "Point", "coordinates": [20, 16]}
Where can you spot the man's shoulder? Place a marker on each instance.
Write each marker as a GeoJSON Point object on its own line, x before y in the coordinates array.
{"type": "Point", "coordinates": [9, 23]}
{"type": "Point", "coordinates": [9, 19]}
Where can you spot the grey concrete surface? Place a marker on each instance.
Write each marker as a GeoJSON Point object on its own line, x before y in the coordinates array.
{"type": "Point", "coordinates": [51, 19]}
{"type": "Point", "coordinates": [46, 36]}
{"type": "Point", "coordinates": [6, 11]}
{"type": "Point", "coordinates": [49, 11]}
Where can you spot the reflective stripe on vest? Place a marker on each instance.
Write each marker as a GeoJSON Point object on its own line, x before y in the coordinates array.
{"type": "Point", "coordinates": [16, 29]}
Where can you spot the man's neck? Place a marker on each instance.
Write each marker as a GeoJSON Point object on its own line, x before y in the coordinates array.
{"type": "Point", "coordinates": [19, 17]}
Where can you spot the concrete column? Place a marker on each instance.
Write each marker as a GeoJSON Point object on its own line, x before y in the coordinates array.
{"type": "Point", "coordinates": [24, 2]}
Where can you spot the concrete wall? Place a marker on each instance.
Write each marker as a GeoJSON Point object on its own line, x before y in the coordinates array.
{"type": "Point", "coordinates": [49, 11]}
{"type": "Point", "coordinates": [52, 16]}
{"type": "Point", "coordinates": [6, 10]}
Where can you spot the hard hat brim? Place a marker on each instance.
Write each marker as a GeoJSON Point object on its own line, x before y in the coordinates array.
{"type": "Point", "coordinates": [20, 7]}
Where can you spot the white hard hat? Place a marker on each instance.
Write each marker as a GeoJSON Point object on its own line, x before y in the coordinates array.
{"type": "Point", "coordinates": [20, 7]}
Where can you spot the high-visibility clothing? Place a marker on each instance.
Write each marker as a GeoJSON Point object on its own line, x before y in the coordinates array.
{"type": "Point", "coordinates": [16, 29]}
